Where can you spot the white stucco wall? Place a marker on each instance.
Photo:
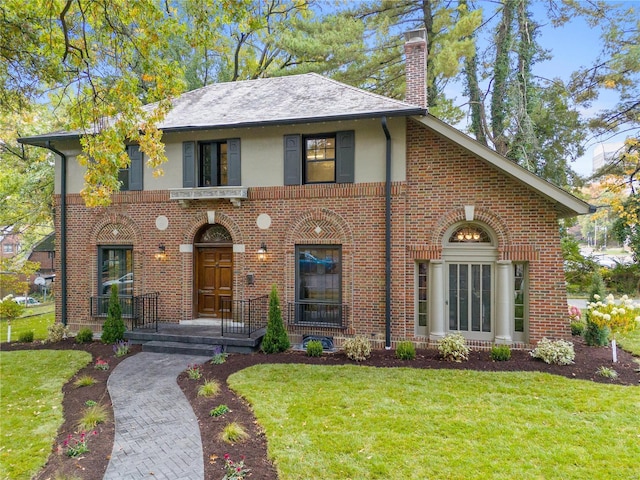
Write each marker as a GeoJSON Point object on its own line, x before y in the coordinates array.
{"type": "Point", "coordinates": [262, 154]}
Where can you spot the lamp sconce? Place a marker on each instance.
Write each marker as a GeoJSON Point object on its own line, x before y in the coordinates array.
{"type": "Point", "coordinates": [262, 252]}
{"type": "Point", "coordinates": [161, 254]}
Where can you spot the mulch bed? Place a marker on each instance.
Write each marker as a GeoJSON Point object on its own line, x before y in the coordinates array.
{"type": "Point", "coordinates": [91, 466]}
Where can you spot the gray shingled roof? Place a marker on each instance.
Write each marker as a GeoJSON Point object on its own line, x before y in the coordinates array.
{"type": "Point", "coordinates": [270, 101]}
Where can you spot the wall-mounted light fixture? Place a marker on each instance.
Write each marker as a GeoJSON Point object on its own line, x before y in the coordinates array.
{"type": "Point", "coordinates": [161, 254]}
{"type": "Point", "coordinates": [262, 251]}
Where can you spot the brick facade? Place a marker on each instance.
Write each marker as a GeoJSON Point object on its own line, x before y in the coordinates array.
{"type": "Point", "coordinates": [441, 179]}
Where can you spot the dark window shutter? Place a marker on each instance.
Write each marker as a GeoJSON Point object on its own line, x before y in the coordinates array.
{"type": "Point", "coordinates": [136, 167]}
{"type": "Point", "coordinates": [345, 156]}
{"type": "Point", "coordinates": [233, 162]}
{"type": "Point", "coordinates": [189, 164]}
{"type": "Point", "coordinates": [292, 159]}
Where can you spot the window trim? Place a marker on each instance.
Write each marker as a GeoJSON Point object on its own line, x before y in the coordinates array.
{"type": "Point", "coordinates": [100, 260]}
{"type": "Point", "coordinates": [306, 161]}
{"type": "Point", "coordinates": [344, 158]}
{"type": "Point", "coordinates": [215, 169]}
{"type": "Point", "coordinates": [524, 334]}
{"type": "Point", "coordinates": [300, 302]}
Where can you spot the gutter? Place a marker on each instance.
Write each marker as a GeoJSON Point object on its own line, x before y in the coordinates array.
{"type": "Point", "coordinates": [63, 232]}
{"type": "Point", "coordinates": [387, 238]}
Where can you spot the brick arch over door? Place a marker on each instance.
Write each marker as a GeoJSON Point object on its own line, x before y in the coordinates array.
{"type": "Point", "coordinates": [199, 222]}
{"type": "Point", "coordinates": [481, 215]}
{"type": "Point", "coordinates": [117, 229]}
{"type": "Point", "coordinates": [320, 227]}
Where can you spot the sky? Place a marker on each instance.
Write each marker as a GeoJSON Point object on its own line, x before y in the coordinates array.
{"type": "Point", "coordinates": [572, 46]}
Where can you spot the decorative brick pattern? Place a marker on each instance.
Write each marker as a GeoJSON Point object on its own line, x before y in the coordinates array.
{"type": "Point", "coordinates": [442, 178]}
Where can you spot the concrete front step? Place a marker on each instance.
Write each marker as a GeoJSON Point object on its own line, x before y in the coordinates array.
{"type": "Point", "coordinates": [181, 348]}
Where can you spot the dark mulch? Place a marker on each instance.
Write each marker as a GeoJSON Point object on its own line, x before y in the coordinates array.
{"type": "Point", "coordinates": [92, 466]}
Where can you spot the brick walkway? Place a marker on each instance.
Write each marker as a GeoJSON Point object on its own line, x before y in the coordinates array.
{"type": "Point", "coordinates": [157, 434]}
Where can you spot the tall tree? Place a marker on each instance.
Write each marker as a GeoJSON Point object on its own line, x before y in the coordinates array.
{"type": "Point", "coordinates": [89, 54]}
{"type": "Point", "coordinates": [26, 177]}
{"type": "Point", "coordinates": [529, 120]}
{"type": "Point", "coordinates": [449, 26]}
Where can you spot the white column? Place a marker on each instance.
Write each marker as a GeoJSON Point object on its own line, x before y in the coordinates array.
{"type": "Point", "coordinates": [436, 300]}
{"type": "Point", "coordinates": [504, 302]}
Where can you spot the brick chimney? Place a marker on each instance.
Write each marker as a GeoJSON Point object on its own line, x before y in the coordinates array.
{"type": "Point", "coordinates": [415, 50]}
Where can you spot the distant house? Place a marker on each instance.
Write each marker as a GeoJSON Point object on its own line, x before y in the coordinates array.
{"type": "Point", "coordinates": [43, 253]}
{"type": "Point", "coordinates": [371, 216]}
{"type": "Point", "coordinates": [10, 245]}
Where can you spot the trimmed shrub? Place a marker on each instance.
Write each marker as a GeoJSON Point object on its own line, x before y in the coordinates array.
{"type": "Point", "coordinates": [577, 328]}
{"type": "Point", "coordinates": [26, 337]}
{"type": "Point", "coordinates": [558, 352]}
{"type": "Point", "coordinates": [275, 339]}
{"type": "Point", "coordinates": [84, 335]}
{"type": "Point", "coordinates": [357, 348]}
{"type": "Point", "coordinates": [453, 348]}
{"type": "Point", "coordinates": [113, 328]}
{"type": "Point", "coordinates": [406, 351]}
{"type": "Point", "coordinates": [500, 353]}
{"type": "Point", "coordinates": [314, 348]}
{"type": "Point", "coordinates": [595, 335]}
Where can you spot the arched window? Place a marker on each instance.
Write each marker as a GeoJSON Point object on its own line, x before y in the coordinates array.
{"type": "Point", "coordinates": [469, 233]}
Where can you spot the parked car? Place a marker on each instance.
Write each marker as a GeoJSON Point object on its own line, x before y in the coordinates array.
{"type": "Point", "coordinates": [27, 301]}
{"type": "Point", "coordinates": [125, 285]}
{"type": "Point", "coordinates": [309, 263]}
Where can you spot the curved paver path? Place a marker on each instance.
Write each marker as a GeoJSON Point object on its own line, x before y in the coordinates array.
{"type": "Point", "coordinates": [157, 434]}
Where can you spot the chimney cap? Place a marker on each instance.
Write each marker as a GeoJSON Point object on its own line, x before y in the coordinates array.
{"type": "Point", "coordinates": [417, 35]}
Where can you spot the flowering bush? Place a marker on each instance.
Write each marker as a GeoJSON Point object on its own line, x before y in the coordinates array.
{"type": "Point", "coordinates": [234, 470]}
{"type": "Point", "coordinates": [121, 348]}
{"type": "Point", "coordinates": [76, 446]}
{"type": "Point", "coordinates": [621, 316]}
{"type": "Point", "coordinates": [574, 313]}
{"type": "Point", "coordinates": [101, 364]}
{"type": "Point", "coordinates": [57, 332]}
{"type": "Point", "coordinates": [194, 372]}
{"type": "Point", "coordinates": [453, 347]}
{"type": "Point", "coordinates": [357, 348]}
{"type": "Point", "coordinates": [219, 356]}
{"type": "Point", "coordinates": [558, 352]}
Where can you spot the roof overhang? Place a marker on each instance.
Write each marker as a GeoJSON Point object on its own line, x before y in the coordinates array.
{"type": "Point", "coordinates": [46, 139]}
{"type": "Point", "coordinates": [566, 204]}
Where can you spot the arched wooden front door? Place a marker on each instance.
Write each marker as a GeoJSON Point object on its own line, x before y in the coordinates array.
{"type": "Point", "coordinates": [213, 272]}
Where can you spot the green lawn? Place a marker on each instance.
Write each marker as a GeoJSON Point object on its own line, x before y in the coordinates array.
{"type": "Point", "coordinates": [31, 392]}
{"type": "Point", "coordinates": [630, 341]}
{"type": "Point", "coordinates": [358, 422]}
{"type": "Point", "coordinates": [36, 318]}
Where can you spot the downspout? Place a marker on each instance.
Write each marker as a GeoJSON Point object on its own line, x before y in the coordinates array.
{"type": "Point", "coordinates": [387, 238]}
{"type": "Point", "coordinates": [63, 232]}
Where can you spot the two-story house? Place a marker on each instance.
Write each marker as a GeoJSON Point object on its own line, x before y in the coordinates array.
{"type": "Point", "coordinates": [371, 217]}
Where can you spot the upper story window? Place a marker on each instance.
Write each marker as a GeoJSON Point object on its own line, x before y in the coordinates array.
{"type": "Point", "coordinates": [323, 158]}
{"type": "Point", "coordinates": [131, 177]}
{"type": "Point", "coordinates": [320, 159]}
{"type": "Point", "coordinates": [211, 164]}
{"type": "Point", "coordinates": [7, 248]}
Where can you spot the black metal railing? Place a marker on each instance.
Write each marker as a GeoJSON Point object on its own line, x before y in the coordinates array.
{"type": "Point", "coordinates": [318, 315]}
{"type": "Point", "coordinates": [140, 310]}
{"type": "Point", "coordinates": [244, 317]}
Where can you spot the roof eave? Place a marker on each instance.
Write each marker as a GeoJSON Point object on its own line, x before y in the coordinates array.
{"type": "Point", "coordinates": [566, 204]}
{"type": "Point", "coordinates": [41, 140]}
